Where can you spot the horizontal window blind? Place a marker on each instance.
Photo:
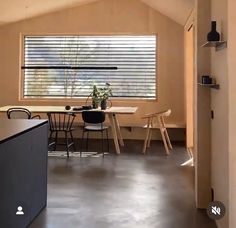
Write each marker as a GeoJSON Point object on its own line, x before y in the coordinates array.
{"type": "Point", "coordinates": [68, 66]}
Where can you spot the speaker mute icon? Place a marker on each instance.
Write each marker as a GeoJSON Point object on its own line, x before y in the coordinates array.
{"type": "Point", "coordinates": [215, 210]}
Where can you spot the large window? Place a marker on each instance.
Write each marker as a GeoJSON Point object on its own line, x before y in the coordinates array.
{"type": "Point", "coordinates": [68, 66]}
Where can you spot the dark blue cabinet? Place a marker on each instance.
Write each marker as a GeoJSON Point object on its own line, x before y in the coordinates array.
{"type": "Point", "coordinates": [23, 171]}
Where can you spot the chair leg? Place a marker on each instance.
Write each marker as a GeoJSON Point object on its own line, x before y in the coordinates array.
{"type": "Point", "coordinates": [55, 145]}
{"type": "Point", "coordinates": [168, 139]}
{"type": "Point", "coordinates": [107, 141]}
{"type": "Point", "coordinates": [87, 141]}
{"type": "Point", "coordinates": [164, 141]}
{"type": "Point", "coordinates": [67, 144]}
{"type": "Point", "coordinates": [190, 152]}
{"type": "Point", "coordinates": [81, 149]}
{"type": "Point", "coordinates": [49, 139]}
{"type": "Point", "coordinates": [102, 143]}
{"type": "Point", "coordinates": [73, 141]}
{"type": "Point", "coordinates": [146, 141]}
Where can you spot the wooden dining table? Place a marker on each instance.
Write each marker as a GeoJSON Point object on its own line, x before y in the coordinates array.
{"type": "Point", "coordinates": [111, 112]}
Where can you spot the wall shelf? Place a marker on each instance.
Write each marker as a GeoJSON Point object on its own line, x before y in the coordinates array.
{"type": "Point", "coordinates": [218, 45]}
{"type": "Point", "coordinates": [213, 86]}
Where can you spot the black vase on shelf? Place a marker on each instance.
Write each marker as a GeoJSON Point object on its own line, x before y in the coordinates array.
{"type": "Point", "coordinates": [213, 35]}
{"type": "Point", "coordinates": [206, 79]}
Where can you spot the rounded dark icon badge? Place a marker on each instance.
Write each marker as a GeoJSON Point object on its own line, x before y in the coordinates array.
{"type": "Point", "coordinates": [216, 210]}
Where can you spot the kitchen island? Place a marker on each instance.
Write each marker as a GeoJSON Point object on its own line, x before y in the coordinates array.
{"type": "Point", "coordinates": [23, 171]}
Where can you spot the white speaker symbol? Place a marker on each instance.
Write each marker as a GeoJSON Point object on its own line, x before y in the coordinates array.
{"type": "Point", "coordinates": [215, 210]}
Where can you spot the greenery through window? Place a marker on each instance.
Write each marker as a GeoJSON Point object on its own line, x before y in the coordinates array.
{"type": "Point", "coordinates": [69, 66]}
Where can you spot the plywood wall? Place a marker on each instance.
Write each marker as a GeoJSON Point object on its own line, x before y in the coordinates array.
{"type": "Point", "coordinates": [103, 17]}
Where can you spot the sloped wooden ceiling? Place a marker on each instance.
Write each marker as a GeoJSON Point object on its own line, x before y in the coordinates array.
{"type": "Point", "coordinates": [177, 10]}
{"type": "Point", "coordinates": [15, 10]}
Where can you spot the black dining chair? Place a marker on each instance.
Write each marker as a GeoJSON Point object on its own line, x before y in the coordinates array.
{"type": "Point", "coordinates": [61, 122]}
{"type": "Point", "coordinates": [94, 122]}
{"type": "Point", "coordinates": [20, 113]}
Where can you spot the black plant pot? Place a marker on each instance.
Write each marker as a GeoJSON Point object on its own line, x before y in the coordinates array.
{"type": "Point", "coordinates": [213, 35]}
{"type": "Point", "coordinates": [103, 104]}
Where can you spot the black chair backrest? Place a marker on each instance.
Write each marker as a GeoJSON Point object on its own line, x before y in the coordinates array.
{"type": "Point", "coordinates": [60, 121]}
{"type": "Point", "coordinates": [93, 117]}
{"type": "Point", "coordinates": [18, 113]}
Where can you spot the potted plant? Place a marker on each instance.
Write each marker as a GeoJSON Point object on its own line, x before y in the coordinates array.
{"type": "Point", "coordinates": [104, 94]}
{"type": "Point", "coordinates": [100, 95]}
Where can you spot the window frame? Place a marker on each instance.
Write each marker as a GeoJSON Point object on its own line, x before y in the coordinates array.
{"type": "Point", "coordinates": [83, 99]}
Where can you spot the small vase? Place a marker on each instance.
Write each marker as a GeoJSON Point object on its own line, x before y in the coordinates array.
{"type": "Point", "coordinates": [103, 104]}
{"type": "Point", "coordinates": [213, 35]}
{"type": "Point", "coordinates": [94, 104]}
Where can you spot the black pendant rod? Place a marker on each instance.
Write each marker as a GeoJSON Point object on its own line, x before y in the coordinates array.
{"type": "Point", "coordinates": [71, 67]}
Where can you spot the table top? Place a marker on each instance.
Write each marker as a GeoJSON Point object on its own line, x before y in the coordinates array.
{"type": "Point", "coordinates": [45, 109]}
{"type": "Point", "coordinates": [14, 127]}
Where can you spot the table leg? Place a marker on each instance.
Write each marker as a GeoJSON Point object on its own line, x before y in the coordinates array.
{"type": "Point", "coordinates": [146, 140]}
{"type": "Point", "coordinates": [120, 138]}
{"type": "Point", "coordinates": [114, 132]}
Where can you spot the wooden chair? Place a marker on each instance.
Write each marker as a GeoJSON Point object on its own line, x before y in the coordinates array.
{"type": "Point", "coordinates": [156, 121]}
{"type": "Point", "coordinates": [20, 113]}
{"type": "Point", "coordinates": [61, 122]}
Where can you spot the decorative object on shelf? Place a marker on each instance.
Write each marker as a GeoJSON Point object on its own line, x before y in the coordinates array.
{"type": "Point", "coordinates": [206, 79]}
{"type": "Point", "coordinates": [208, 82]}
{"type": "Point", "coordinates": [213, 35]}
{"type": "Point", "coordinates": [214, 39]}
{"type": "Point", "coordinates": [212, 85]}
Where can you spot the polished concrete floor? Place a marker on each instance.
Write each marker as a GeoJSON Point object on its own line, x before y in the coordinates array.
{"type": "Point", "coordinates": [125, 191]}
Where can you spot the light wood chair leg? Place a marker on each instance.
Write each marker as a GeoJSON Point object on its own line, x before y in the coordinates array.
{"type": "Point", "coordinates": [164, 141]}
{"type": "Point", "coordinates": [168, 139]}
{"type": "Point", "coordinates": [190, 152]}
{"type": "Point", "coordinates": [146, 141]}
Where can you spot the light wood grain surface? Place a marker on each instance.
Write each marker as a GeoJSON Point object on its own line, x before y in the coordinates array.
{"type": "Point", "coordinates": [45, 109]}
